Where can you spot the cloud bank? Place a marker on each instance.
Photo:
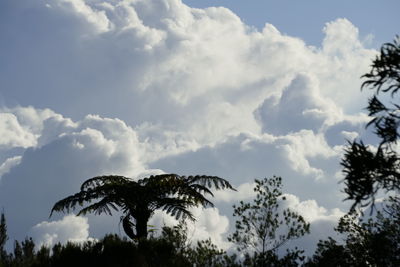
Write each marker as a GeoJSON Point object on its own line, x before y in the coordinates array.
{"type": "Point", "coordinates": [145, 86]}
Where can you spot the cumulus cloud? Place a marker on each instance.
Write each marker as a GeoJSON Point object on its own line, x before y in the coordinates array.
{"type": "Point", "coordinates": [170, 65]}
{"type": "Point", "coordinates": [209, 224]}
{"type": "Point", "coordinates": [75, 152]}
{"type": "Point", "coordinates": [170, 89]}
{"type": "Point", "coordinates": [7, 165]}
{"type": "Point", "coordinates": [97, 18]}
{"type": "Point", "coordinates": [244, 158]}
{"type": "Point", "coordinates": [13, 134]}
{"type": "Point", "coordinates": [310, 209]}
{"type": "Point", "coordinates": [243, 192]}
{"type": "Point", "coordinates": [70, 228]}
{"type": "Point", "coordinates": [322, 221]}
{"type": "Point", "coordinates": [336, 43]}
{"type": "Point", "coordinates": [299, 107]}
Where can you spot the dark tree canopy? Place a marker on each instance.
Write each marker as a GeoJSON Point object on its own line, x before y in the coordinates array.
{"type": "Point", "coordinates": [367, 242]}
{"type": "Point", "coordinates": [139, 199]}
{"type": "Point", "coordinates": [262, 226]}
{"type": "Point", "coordinates": [171, 249]}
{"type": "Point", "coordinates": [3, 236]}
{"type": "Point", "coordinates": [385, 72]}
{"type": "Point", "coordinates": [369, 171]}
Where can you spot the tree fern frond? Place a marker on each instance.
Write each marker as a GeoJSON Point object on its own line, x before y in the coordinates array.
{"type": "Point", "coordinates": [105, 179]}
{"type": "Point", "coordinates": [139, 199]}
{"type": "Point", "coordinates": [210, 181]}
{"type": "Point", "coordinates": [178, 211]}
{"type": "Point", "coordinates": [68, 203]}
{"type": "Point", "coordinates": [201, 189]}
{"type": "Point", "coordinates": [103, 206]}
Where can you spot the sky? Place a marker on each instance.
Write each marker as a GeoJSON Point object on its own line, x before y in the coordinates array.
{"type": "Point", "coordinates": [305, 19]}
{"type": "Point", "coordinates": [140, 87]}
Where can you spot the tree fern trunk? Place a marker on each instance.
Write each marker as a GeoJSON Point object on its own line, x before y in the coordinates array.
{"type": "Point", "coordinates": [141, 228]}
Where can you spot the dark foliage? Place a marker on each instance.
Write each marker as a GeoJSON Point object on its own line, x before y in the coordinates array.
{"type": "Point", "coordinates": [3, 237]}
{"type": "Point", "coordinates": [171, 248]}
{"type": "Point", "coordinates": [263, 227]}
{"type": "Point", "coordinates": [368, 171]}
{"type": "Point", "coordinates": [138, 200]}
{"type": "Point", "coordinates": [385, 72]}
{"type": "Point", "coordinates": [374, 242]}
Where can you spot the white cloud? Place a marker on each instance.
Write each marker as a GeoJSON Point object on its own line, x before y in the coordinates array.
{"type": "Point", "coordinates": [209, 224]}
{"type": "Point", "coordinates": [322, 221]}
{"type": "Point", "coordinates": [7, 165]}
{"type": "Point", "coordinates": [311, 211]}
{"type": "Point", "coordinates": [70, 228]}
{"type": "Point", "coordinates": [173, 89]}
{"type": "Point", "coordinates": [13, 134]}
{"type": "Point", "coordinates": [299, 107]}
{"type": "Point", "coordinates": [72, 153]}
{"type": "Point", "coordinates": [341, 39]}
{"type": "Point", "coordinates": [342, 61]}
{"type": "Point", "coordinates": [304, 160]}
{"type": "Point", "coordinates": [97, 18]}
{"type": "Point", "coordinates": [204, 71]}
{"type": "Point", "coordinates": [243, 192]}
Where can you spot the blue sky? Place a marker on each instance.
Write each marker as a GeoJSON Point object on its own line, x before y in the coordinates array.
{"type": "Point", "coordinates": [135, 88]}
{"type": "Point", "coordinates": [305, 19]}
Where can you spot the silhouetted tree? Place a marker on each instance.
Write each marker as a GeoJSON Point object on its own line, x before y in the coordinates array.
{"type": "Point", "coordinates": [138, 200]}
{"type": "Point", "coordinates": [330, 254]}
{"type": "Point", "coordinates": [171, 249]}
{"type": "Point", "coordinates": [18, 259]}
{"type": "Point", "coordinates": [3, 240]}
{"type": "Point", "coordinates": [368, 171]}
{"type": "Point", "coordinates": [3, 237]}
{"type": "Point", "coordinates": [263, 227]}
{"type": "Point", "coordinates": [42, 258]}
{"type": "Point", "coordinates": [371, 242]}
{"type": "Point", "coordinates": [204, 253]}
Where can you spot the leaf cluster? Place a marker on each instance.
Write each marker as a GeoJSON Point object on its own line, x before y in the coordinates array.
{"type": "Point", "coordinates": [171, 248]}
{"type": "Point", "coordinates": [261, 225]}
{"type": "Point", "coordinates": [367, 171]}
{"type": "Point", "coordinates": [368, 242]}
{"type": "Point", "coordinates": [385, 70]}
{"type": "Point", "coordinates": [169, 192]}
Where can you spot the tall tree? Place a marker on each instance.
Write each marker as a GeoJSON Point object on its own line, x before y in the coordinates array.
{"type": "Point", "coordinates": [367, 242]}
{"type": "Point", "coordinates": [263, 227]}
{"type": "Point", "coordinates": [368, 171]}
{"type": "Point", "coordinates": [3, 238]}
{"type": "Point", "coordinates": [138, 200]}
